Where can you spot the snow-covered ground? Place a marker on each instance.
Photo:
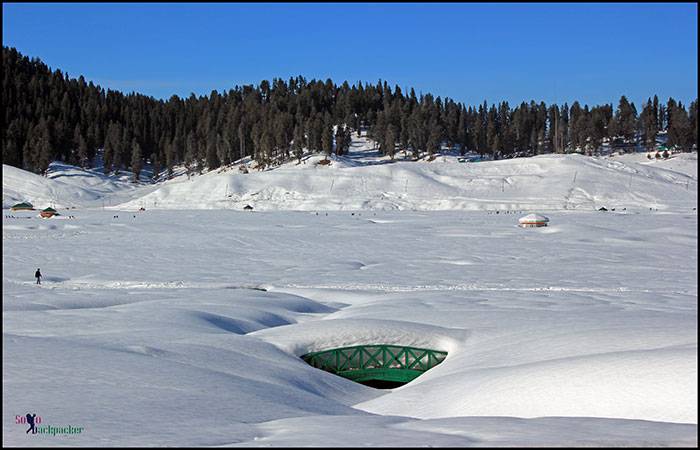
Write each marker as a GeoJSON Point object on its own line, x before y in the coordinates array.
{"type": "Point", "coordinates": [183, 324]}
{"type": "Point", "coordinates": [155, 330]}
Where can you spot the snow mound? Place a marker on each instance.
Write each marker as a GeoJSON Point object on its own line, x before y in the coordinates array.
{"type": "Point", "coordinates": [577, 386]}
{"type": "Point", "coordinates": [303, 338]}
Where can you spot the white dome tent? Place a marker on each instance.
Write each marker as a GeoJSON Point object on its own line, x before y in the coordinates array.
{"type": "Point", "coordinates": [533, 220]}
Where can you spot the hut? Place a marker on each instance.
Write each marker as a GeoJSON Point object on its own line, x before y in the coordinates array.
{"type": "Point", "coordinates": [533, 220]}
{"type": "Point", "coordinates": [248, 208]}
{"type": "Point", "coordinates": [24, 206]}
{"type": "Point", "coordinates": [48, 212]}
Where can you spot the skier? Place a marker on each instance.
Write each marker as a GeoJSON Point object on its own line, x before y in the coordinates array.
{"type": "Point", "coordinates": [37, 275]}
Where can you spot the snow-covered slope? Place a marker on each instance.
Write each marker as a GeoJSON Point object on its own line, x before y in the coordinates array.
{"type": "Point", "coordinates": [547, 182]}
{"type": "Point", "coordinates": [363, 180]}
{"type": "Point", "coordinates": [65, 186]}
{"type": "Point", "coordinates": [685, 163]}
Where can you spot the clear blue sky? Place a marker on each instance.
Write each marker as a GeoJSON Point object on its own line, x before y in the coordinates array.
{"type": "Point", "coordinates": [468, 52]}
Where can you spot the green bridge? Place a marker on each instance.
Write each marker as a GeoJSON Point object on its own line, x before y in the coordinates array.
{"type": "Point", "coordinates": [380, 366]}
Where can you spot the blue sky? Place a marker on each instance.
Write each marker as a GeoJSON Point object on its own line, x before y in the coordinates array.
{"type": "Point", "coordinates": [469, 52]}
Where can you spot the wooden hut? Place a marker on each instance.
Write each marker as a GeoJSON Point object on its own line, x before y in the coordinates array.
{"type": "Point", "coordinates": [48, 212]}
{"type": "Point", "coordinates": [533, 220]}
{"type": "Point", "coordinates": [24, 206]}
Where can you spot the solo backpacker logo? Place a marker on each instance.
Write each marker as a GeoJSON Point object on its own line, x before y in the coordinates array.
{"type": "Point", "coordinates": [35, 427]}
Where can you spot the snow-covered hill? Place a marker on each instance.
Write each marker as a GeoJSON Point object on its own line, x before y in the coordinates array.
{"type": "Point", "coordinates": [547, 182]}
{"type": "Point", "coordinates": [66, 186]}
{"type": "Point", "coordinates": [364, 180]}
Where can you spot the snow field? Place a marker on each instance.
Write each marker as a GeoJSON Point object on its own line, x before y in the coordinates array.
{"type": "Point", "coordinates": [183, 324]}
{"type": "Point", "coordinates": [185, 327]}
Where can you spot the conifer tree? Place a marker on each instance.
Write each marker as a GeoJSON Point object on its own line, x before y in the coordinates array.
{"type": "Point", "coordinates": [327, 136]}
{"type": "Point", "coordinates": [136, 160]}
{"type": "Point", "coordinates": [626, 119]}
{"type": "Point", "coordinates": [648, 123]}
{"type": "Point", "coordinates": [298, 146]}
{"type": "Point", "coordinates": [389, 145]}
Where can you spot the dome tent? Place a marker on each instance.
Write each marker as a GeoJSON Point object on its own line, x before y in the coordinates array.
{"type": "Point", "coordinates": [533, 220]}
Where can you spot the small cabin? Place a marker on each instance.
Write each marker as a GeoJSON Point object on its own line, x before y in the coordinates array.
{"type": "Point", "coordinates": [48, 212]}
{"type": "Point", "coordinates": [24, 206]}
{"type": "Point", "coordinates": [248, 208]}
{"type": "Point", "coordinates": [533, 220]}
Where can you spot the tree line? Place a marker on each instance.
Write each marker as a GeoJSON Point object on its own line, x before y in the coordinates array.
{"type": "Point", "coordinates": [49, 116]}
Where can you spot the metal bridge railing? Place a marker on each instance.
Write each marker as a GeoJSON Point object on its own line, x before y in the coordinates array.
{"type": "Point", "coordinates": [362, 363]}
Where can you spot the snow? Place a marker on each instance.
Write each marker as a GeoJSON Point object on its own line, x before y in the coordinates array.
{"type": "Point", "coordinates": [363, 180]}
{"type": "Point", "coordinates": [547, 182]}
{"type": "Point", "coordinates": [65, 187]}
{"type": "Point", "coordinates": [183, 324]}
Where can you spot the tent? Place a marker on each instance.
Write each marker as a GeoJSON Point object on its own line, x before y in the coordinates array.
{"type": "Point", "coordinates": [533, 220]}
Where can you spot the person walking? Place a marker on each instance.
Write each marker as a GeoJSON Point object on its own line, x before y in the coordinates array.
{"type": "Point", "coordinates": [37, 275]}
{"type": "Point", "coordinates": [31, 421]}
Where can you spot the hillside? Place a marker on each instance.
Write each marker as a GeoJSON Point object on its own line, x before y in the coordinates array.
{"type": "Point", "coordinates": [363, 180]}
{"type": "Point", "coordinates": [66, 187]}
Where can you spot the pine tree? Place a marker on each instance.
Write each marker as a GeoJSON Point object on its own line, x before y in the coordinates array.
{"type": "Point", "coordinates": [461, 133]}
{"type": "Point", "coordinates": [389, 145]}
{"type": "Point", "coordinates": [626, 119]}
{"type": "Point", "coordinates": [136, 160]}
{"type": "Point", "coordinates": [648, 124]}
{"type": "Point", "coordinates": [37, 150]}
{"type": "Point", "coordinates": [190, 153]}
{"type": "Point", "coordinates": [434, 135]}
{"type": "Point", "coordinates": [82, 153]}
{"type": "Point", "coordinates": [155, 161]}
{"type": "Point", "coordinates": [339, 140]}
{"type": "Point", "coordinates": [212, 160]}
{"type": "Point", "coordinates": [223, 148]}
{"type": "Point", "coordinates": [298, 144]}
{"type": "Point", "coordinates": [680, 131]}
{"type": "Point", "coordinates": [327, 136]}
